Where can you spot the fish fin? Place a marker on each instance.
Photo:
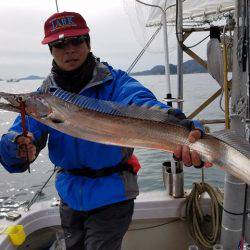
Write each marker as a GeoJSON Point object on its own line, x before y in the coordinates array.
{"type": "Point", "coordinates": [232, 138]}
{"type": "Point", "coordinates": [115, 109]}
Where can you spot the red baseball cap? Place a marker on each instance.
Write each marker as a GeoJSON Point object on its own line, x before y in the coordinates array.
{"type": "Point", "coordinates": [64, 24]}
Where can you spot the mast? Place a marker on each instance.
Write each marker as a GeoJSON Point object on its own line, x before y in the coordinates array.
{"type": "Point", "coordinates": [247, 218]}
{"type": "Point", "coordinates": [179, 55]}
{"type": "Point", "coordinates": [235, 221]}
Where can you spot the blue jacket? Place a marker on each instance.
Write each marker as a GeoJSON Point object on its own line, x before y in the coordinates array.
{"type": "Point", "coordinates": [82, 193]}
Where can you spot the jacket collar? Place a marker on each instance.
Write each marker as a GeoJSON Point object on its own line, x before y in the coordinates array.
{"type": "Point", "coordinates": [101, 75]}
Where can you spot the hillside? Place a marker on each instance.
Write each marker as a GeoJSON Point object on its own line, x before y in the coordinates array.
{"type": "Point", "coordinates": [190, 66]}
{"type": "Point", "coordinates": [31, 77]}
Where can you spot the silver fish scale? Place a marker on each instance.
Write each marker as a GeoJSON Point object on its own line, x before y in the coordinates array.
{"type": "Point", "coordinates": [233, 139]}
{"type": "Point", "coordinates": [115, 109]}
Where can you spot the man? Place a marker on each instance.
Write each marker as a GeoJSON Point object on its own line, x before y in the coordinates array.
{"type": "Point", "coordinates": [97, 183]}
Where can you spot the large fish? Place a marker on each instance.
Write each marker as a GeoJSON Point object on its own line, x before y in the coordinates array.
{"type": "Point", "coordinates": [131, 126]}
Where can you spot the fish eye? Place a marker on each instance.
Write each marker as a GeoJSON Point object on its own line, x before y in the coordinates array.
{"type": "Point", "coordinates": [18, 98]}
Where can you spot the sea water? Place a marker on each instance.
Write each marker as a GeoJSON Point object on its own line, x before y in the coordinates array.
{"type": "Point", "coordinates": [197, 88]}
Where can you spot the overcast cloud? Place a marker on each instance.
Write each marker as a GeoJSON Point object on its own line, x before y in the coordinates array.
{"type": "Point", "coordinates": [21, 32]}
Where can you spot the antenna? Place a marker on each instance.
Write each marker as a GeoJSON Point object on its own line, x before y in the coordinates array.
{"type": "Point", "coordinates": [57, 9]}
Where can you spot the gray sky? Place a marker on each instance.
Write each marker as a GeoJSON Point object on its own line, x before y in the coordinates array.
{"type": "Point", "coordinates": [21, 32]}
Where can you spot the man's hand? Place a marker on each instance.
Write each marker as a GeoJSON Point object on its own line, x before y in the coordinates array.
{"type": "Point", "coordinates": [188, 157]}
{"type": "Point", "coordinates": [26, 144]}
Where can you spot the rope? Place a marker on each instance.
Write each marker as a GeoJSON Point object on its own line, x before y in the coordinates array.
{"type": "Point", "coordinates": [204, 229]}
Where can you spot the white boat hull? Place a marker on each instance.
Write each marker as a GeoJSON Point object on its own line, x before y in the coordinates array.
{"type": "Point", "coordinates": [156, 224]}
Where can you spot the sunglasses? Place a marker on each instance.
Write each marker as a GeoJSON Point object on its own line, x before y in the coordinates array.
{"type": "Point", "coordinates": [63, 43]}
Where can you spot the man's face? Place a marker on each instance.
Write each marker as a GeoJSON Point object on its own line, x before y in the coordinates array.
{"type": "Point", "coordinates": [70, 54]}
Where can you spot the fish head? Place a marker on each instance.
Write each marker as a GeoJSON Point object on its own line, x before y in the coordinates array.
{"type": "Point", "coordinates": [9, 102]}
{"type": "Point", "coordinates": [35, 103]}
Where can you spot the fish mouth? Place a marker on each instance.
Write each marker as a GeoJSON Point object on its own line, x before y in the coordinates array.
{"type": "Point", "coordinates": [13, 108]}
{"type": "Point", "coordinates": [9, 102]}
{"type": "Point", "coordinates": [11, 99]}
{"type": "Point", "coordinates": [12, 102]}
{"type": "Point", "coordinates": [9, 107]}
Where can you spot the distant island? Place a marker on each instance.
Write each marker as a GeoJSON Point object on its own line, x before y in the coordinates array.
{"type": "Point", "coordinates": [31, 77]}
{"type": "Point", "coordinates": [12, 80]}
{"type": "Point", "coordinates": [189, 67]}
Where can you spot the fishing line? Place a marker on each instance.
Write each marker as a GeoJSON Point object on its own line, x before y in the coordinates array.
{"type": "Point", "coordinates": [177, 33]}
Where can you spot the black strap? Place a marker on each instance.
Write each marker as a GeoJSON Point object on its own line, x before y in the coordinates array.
{"type": "Point", "coordinates": [91, 173]}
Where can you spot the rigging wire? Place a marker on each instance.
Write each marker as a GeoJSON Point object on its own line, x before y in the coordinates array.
{"type": "Point", "coordinates": [177, 33]}
{"type": "Point", "coordinates": [194, 45]}
{"type": "Point", "coordinates": [156, 6]}
{"type": "Point", "coordinates": [143, 50]}
{"type": "Point", "coordinates": [39, 192]}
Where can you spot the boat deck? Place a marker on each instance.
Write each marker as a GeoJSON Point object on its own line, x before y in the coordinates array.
{"type": "Point", "coordinates": [156, 224]}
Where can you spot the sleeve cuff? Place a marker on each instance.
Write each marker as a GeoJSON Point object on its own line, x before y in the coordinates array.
{"type": "Point", "coordinates": [9, 153]}
{"type": "Point", "coordinates": [198, 125]}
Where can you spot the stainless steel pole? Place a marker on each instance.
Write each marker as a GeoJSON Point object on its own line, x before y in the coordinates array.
{"type": "Point", "coordinates": [180, 55]}
{"type": "Point", "coordinates": [166, 53]}
{"type": "Point", "coordinates": [247, 129]}
{"type": "Point", "coordinates": [234, 189]}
